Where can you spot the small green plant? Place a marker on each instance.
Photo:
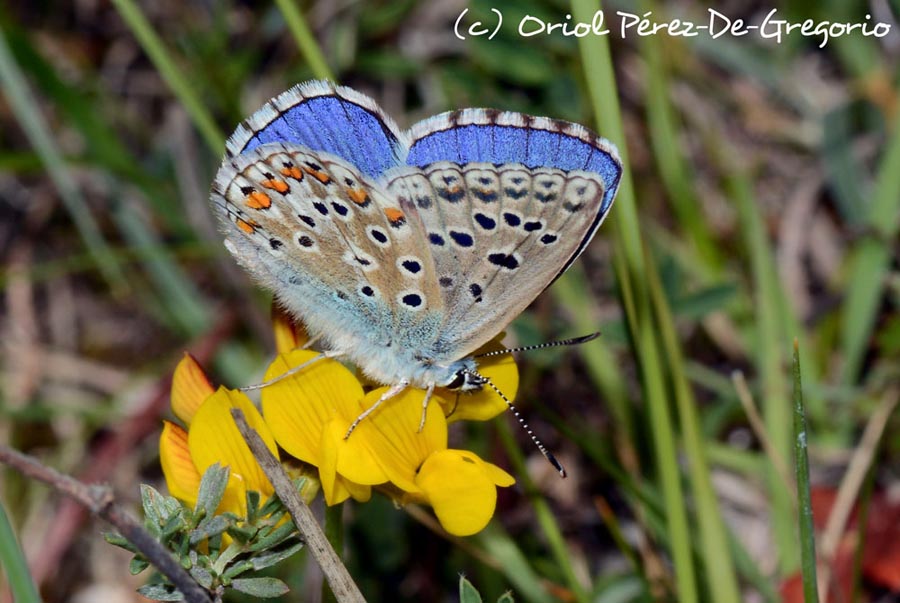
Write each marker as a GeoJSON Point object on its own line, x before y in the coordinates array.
{"type": "Point", "coordinates": [469, 594]}
{"type": "Point", "coordinates": [220, 551]}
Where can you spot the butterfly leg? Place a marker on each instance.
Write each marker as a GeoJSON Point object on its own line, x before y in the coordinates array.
{"type": "Point", "coordinates": [293, 371]}
{"type": "Point", "coordinates": [428, 393]}
{"type": "Point", "coordinates": [393, 391]}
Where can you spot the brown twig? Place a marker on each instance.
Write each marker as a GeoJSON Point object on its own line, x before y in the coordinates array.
{"type": "Point", "coordinates": [339, 580]}
{"type": "Point", "coordinates": [100, 501]}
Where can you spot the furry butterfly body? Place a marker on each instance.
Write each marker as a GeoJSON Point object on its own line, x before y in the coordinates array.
{"type": "Point", "coordinates": [407, 251]}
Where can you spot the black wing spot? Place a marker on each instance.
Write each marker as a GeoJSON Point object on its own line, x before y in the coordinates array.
{"type": "Point", "coordinates": [275, 243]}
{"type": "Point", "coordinates": [504, 260]}
{"type": "Point", "coordinates": [307, 220]}
{"type": "Point", "coordinates": [341, 209]}
{"type": "Point", "coordinates": [367, 291]}
{"type": "Point", "coordinates": [305, 241]}
{"type": "Point", "coordinates": [412, 266]}
{"type": "Point", "coordinates": [378, 235]}
{"type": "Point", "coordinates": [487, 196]}
{"type": "Point", "coordinates": [533, 226]}
{"type": "Point", "coordinates": [486, 222]}
{"type": "Point", "coordinates": [452, 196]}
{"type": "Point", "coordinates": [436, 239]}
{"type": "Point", "coordinates": [476, 291]}
{"type": "Point", "coordinates": [413, 300]}
{"type": "Point", "coordinates": [548, 238]}
{"type": "Point", "coordinates": [445, 281]}
{"type": "Point", "coordinates": [320, 207]}
{"type": "Point", "coordinates": [463, 239]}
{"type": "Point", "coordinates": [511, 219]}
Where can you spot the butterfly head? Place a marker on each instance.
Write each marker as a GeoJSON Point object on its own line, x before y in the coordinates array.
{"type": "Point", "coordinates": [464, 379]}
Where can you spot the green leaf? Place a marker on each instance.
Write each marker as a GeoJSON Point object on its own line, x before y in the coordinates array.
{"type": "Point", "coordinates": [467, 592]}
{"type": "Point", "coordinates": [252, 506]}
{"type": "Point", "coordinates": [506, 598]}
{"type": "Point", "coordinates": [276, 537]}
{"type": "Point", "coordinates": [137, 565]}
{"type": "Point", "coordinates": [266, 588]}
{"type": "Point", "coordinates": [236, 570]}
{"type": "Point", "coordinates": [202, 575]}
{"type": "Point", "coordinates": [210, 527]}
{"type": "Point", "coordinates": [151, 501]}
{"type": "Point", "coordinates": [272, 557]}
{"type": "Point", "coordinates": [160, 592]}
{"type": "Point", "coordinates": [212, 488]}
{"type": "Point", "coordinates": [116, 539]}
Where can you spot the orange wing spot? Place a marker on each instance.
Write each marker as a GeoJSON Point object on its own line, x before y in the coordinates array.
{"type": "Point", "coordinates": [258, 200]}
{"type": "Point", "coordinates": [320, 176]}
{"type": "Point", "coordinates": [394, 216]}
{"type": "Point", "coordinates": [358, 196]}
{"type": "Point", "coordinates": [276, 185]}
{"type": "Point", "coordinates": [292, 172]}
{"type": "Point", "coordinates": [247, 226]}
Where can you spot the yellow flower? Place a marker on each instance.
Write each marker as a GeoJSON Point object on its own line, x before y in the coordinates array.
{"type": "Point", "coordinates": [460, 486]}
{"type": "Point", "coordinates": [309, 414]}
{"type": "Point", "coordinates": [211, 437]}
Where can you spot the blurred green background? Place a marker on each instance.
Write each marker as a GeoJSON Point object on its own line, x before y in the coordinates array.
{"type": "Point", "coordinates": [762, 204]}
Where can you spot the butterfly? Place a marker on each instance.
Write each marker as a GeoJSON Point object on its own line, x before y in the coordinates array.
{"type": "Point", "coordinates": [405, 252]}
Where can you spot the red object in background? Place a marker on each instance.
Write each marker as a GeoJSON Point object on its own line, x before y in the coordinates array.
{"type": "Point", "coordinates": [881, 555]}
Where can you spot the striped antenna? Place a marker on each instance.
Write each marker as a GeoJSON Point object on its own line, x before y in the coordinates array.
{"type": "Point", "coordinates": [540, 446]}
{"type": "Point", "coordinates": [541, 346]}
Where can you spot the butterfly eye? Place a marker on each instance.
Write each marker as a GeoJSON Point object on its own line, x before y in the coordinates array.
{"type": "Point", "coordinates": [458, 380]}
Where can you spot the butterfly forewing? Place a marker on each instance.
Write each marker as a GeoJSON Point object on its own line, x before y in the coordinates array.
{"type": "Point", "coordinates": [337, 250]}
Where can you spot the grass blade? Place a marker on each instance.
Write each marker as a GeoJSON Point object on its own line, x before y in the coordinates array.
{"type": "Point", "coordinates": [13, 562]}
{"type": "Point", "coordinates": [156, 50]}
{"type": "Point", "coordinates": [296, 22]}
{"type": "Point", "coordinates": [801, 460]}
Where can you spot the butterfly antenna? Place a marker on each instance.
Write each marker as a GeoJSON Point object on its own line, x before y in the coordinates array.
{"type": "Point", "coordinates": [541, 346]}
{"type": "Point", "coordinates": [540, 446]}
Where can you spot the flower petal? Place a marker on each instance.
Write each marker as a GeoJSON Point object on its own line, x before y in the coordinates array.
{"type": "Point", "coordinates": [392, 434]}
{"type": "Point", "coordinates": [353, 459]}
{"type": "Point", "coordinates": [460, 488]}
{"type": "Point", "coordinates": [190, 387]}
{"type": "Point", "coordinates": [298, 407]}
{"type": "Point", "coordinates": [337, 488]}
{"type": "Point", "coordinates": [485, 404]}
{"type": "Point", "coordinates": [214, 438]}
{"type": "Point", "coordinates": [181, 475]}
{"type": "Point", "coordinates": [289, 333]}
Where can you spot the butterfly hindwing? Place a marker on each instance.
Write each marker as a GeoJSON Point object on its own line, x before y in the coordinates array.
{"type": "Point", "coordinates": [503, 240]}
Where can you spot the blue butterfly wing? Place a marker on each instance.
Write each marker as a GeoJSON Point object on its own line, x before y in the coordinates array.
{"type": "Point", "coordinates": [326, 118]}
{"type": "Point", "coordinates": [508, 201]}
